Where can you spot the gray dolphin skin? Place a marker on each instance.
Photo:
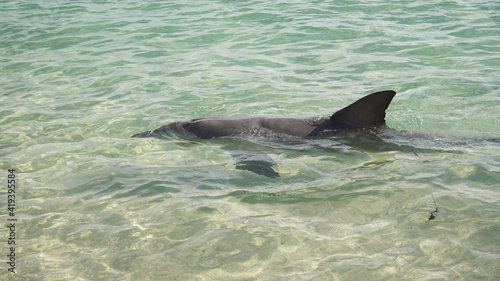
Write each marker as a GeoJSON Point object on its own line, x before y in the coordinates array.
{"type": "Point", "coordinates": [368, 111]}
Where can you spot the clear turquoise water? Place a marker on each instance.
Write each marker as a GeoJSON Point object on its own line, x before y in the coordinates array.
{"type": "Point", "coordinates": [77, 79]}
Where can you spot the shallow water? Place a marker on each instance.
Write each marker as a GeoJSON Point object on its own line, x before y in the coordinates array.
{"type": "Point", "coordinates": [77, 79]}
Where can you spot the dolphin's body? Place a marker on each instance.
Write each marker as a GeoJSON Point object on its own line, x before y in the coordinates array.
{"type": "Point", "coordinates": [368, 111]}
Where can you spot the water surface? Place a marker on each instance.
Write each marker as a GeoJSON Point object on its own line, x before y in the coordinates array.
{"type": "Point", "coordinates": [77, 79]}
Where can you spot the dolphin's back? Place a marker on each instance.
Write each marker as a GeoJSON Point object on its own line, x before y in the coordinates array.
{"type": "Point", "coordinates": [207, 128]}
{"type": "Point", "coordinates": [367, 111]}
{"type": "Point", "coordinates": [213, 127]}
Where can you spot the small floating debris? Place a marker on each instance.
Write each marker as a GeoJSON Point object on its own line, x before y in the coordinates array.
{"type": "Point", "coordinates": [433, 214]}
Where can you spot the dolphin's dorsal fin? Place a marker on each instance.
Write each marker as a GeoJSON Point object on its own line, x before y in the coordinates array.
{"type": "Point", "coordinates": [367, 111]}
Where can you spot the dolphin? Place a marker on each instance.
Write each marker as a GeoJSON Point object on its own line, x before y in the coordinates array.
{"type": "Point", "coordinates": [368, 111]}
